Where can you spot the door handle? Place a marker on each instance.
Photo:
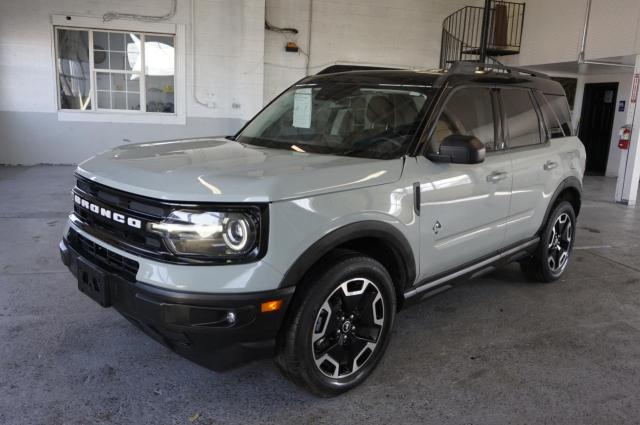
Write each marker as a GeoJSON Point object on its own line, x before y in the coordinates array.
{"type": "Point", "coordinates": [496, 176]}
{"type": "Point", "coordinates": [549, 165]}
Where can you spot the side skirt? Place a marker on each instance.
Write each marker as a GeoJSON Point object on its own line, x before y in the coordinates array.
{"type": "Point", "coordinates": [436, 284]}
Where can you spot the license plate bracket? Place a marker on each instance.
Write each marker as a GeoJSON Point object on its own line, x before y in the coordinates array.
{"type": "Point", "coordinates": [92, 281]}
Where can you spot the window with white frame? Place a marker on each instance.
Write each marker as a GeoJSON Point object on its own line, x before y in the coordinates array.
{"type": "Point", "coordinates": [115, 71]}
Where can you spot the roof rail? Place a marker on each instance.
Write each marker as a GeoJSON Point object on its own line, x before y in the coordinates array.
{"type": "Point", "coordinates": [346, 68]}
{"type": "Point", "coordinates": [468, 67]}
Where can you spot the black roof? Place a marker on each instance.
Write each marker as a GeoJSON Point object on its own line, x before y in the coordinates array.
{"type": "Point", "coordinates": [462, 73]}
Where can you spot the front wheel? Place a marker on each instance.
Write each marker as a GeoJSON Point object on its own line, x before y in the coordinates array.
{"type": "Point", "coordinates": [339, 326]}
{"type": "Point", "coordinates": [556, 243]}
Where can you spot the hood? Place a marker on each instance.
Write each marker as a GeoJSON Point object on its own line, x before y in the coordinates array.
{"type": "Point", "coordinates": [219, 170]}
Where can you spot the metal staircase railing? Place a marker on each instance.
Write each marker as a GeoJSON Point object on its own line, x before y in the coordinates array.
{"type": "Point", "coordinates": [462, 32]}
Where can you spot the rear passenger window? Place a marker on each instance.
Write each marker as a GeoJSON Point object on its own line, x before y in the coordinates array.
{"type": "Point", "coordinates": [469, 112]}
{"type": "Point", "coordinates": [523, 127]}
{"type": "Point", "coordinates": [551, 120]}
{"type": "Point", "coordinates": [560, 107]}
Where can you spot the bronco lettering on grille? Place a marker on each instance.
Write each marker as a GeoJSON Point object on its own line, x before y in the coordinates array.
{"type": "Point", "coordinates": [107, 213]}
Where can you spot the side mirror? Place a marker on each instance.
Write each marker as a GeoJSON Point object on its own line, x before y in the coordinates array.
{"type": "Point", "coordinates": [460, 149]}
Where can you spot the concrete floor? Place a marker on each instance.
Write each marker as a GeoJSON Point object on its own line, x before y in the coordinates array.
{"type": "Point", "coordinates": [491, 351]}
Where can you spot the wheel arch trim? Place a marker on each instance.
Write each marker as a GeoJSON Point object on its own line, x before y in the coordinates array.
{"type": "Point", "coordinates": [351, 232]}
{"type": "Point", "coordinates": [568, 183]}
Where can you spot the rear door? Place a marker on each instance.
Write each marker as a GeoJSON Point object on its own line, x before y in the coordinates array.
{"type": "Point", "coordinates": [463, 206]}
{"type": "Point", "coordinates": [537, 165]}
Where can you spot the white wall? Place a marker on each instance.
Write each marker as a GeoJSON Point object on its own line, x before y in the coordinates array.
{"type": "Point", "coordinates": [402, 33]}
{"type": "Point", "coordinates": [624, 90]}
{"type": "Point", "coordinates": [229, 60]}
{"type": "Point", "coordinates": [614, 28]}
{"type": "Point", "coordinates": [238, 66]}
{"type": "Point", "coordinates": [552, 37]}
{"type": "Point", "coordinates": [552, 30]}
{"type": "Point", "coordinates": [624, 79]}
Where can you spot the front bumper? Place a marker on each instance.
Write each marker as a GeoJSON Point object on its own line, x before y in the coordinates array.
{"type": "Point", "coordinates": [195, 325]}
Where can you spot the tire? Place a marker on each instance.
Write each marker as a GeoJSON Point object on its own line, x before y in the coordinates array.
{"type": "Point", "coordinates": [554, 250]}
{"type": "Point", "coordinates": [339, 325]}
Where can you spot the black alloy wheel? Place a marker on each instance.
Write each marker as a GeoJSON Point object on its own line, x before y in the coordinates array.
{"type": "Point", "coordinates": [553, 253]}
{"type": "Point", "coordinates": [338, 325]}
{"type": "Point", "coordinates": [348, 328]}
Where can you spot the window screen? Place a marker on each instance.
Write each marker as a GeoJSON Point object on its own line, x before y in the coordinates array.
{"type": "Point", "coordinates": [468, 112]}
{"type": "Point", "coordinates": [560, 107]}
{"type": "Point", "coordinates": [523, 127]}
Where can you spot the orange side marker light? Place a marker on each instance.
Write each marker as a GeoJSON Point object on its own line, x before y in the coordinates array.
{"type": "Point", "coordinates": [269, 306]}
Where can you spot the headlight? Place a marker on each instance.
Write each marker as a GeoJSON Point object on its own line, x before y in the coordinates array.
{"type": "Point", "coordinates": [214, 234]}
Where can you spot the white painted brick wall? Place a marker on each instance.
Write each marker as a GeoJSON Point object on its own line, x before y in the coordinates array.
{"type": "Point", "coordinates": [400, 33]}
{"type": "Point", "coordinates": [229, 51]}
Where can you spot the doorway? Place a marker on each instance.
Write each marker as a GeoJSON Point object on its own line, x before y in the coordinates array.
{"type": "Point", "coordinates": [596, 123]}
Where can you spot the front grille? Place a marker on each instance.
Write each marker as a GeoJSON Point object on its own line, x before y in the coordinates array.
{"type": "Point", "coordinates": [137, 239]}
{"type": "Point", "coordinates": [109, 260]}
{"type": "Point", "coordinates": [121, 235]}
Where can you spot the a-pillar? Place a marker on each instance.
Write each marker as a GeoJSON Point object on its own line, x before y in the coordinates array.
{"type": "Point", "coordinates": [629, 168]}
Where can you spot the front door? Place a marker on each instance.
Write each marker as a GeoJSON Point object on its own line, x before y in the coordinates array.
{"type": "Point", "coordinates": [596, 123]}
{"type": "Point", "coordinates": [463, 206]}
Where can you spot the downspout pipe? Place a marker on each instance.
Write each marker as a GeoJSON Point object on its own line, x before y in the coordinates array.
{"type": "Point", "coordinates": [583, 44]}
{"type": "Point", "coordinates": [309, 37]}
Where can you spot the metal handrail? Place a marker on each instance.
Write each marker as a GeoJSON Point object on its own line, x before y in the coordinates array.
{"type": "Point", "coordinates": [462, 31]}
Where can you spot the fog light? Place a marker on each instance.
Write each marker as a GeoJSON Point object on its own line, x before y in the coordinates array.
{"type": "Point", "coordinates": [231, 317]}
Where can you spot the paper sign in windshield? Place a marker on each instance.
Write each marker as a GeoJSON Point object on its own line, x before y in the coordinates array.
{"type": "Point", "coordinates": [302, 108]}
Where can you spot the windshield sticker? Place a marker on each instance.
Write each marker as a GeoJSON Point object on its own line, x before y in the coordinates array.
{"type": "Point", "coordinates": [302, 108]}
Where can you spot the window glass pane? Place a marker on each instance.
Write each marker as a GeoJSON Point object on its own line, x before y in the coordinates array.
{"type": "Point", "coordinates": [550, 119]}
{"type": "Point", "coordinates": [133, 52]}
{"type": "Point", "coordinates": [116, 42]}
{"type": "Point", "coordinates": [468, 112]}
{"type": "Point", "coordinates": [160, 93]}
{"type": "Point", "coordinates": [73, 69]}
{"type": "Point", "coordinates": [133, 101]}
{"type": "Point", "coordinates": [104, 100]}
{"type": "Point", "coordinates": [102, 81]}
{"type": "Point", "coordinates": [100, 40]}
{"type": "Point", "coordinates": [133, 83]}
{"type": "Point", "coordinates": [118, 91]}
{"type": "Point", "coordinates": [116, 60]}
{"type": "Point", "coordinates": [117, 51]}
{"type": "Point", "coordinates": [118, 100]}
{"type": "Point", "coordinates": [159, 73]}
{"type": "Point", "coordinates": [522, 119]}
{"type": "Point", "coordinates": [159, 55]}
{"type": "Point", "coordinates": [560, 107]}
{"type": "Point", "coordinates": [118, 82]}
{"type": "Point", "coordinates": [101, 59]}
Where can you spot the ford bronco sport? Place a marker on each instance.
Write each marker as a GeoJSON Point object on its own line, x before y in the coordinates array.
{"type": "Point", "coordinates": [348, 196]}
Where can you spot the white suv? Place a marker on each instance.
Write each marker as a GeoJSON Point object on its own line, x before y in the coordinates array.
{"type": "Point", "coordinates": [346, 197]}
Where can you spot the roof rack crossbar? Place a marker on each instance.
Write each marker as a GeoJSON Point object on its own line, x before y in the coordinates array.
{"type": "Point", "coordinates": [468, 67]}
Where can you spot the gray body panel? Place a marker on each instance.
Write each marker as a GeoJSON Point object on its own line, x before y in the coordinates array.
{"type": "Point", "coordinates": [312, 195]}
{"type": "Point", "coordinates": [219, 170]}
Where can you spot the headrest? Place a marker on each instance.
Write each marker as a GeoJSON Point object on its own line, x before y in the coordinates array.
{"type": "Point", "coordinates": [380, 110]}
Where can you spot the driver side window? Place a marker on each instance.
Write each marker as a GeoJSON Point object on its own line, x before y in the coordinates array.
{"type": "Point", "coordinates": [469, 112]}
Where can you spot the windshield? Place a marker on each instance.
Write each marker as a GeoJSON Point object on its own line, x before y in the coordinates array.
{"type": "Point", "coordinates": [340, 118]}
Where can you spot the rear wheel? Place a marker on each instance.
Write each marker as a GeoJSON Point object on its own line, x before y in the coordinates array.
{"type": "Point", "coordinates": [339, 326]}
{"type": "Point", "coordinates": [554, 250]}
